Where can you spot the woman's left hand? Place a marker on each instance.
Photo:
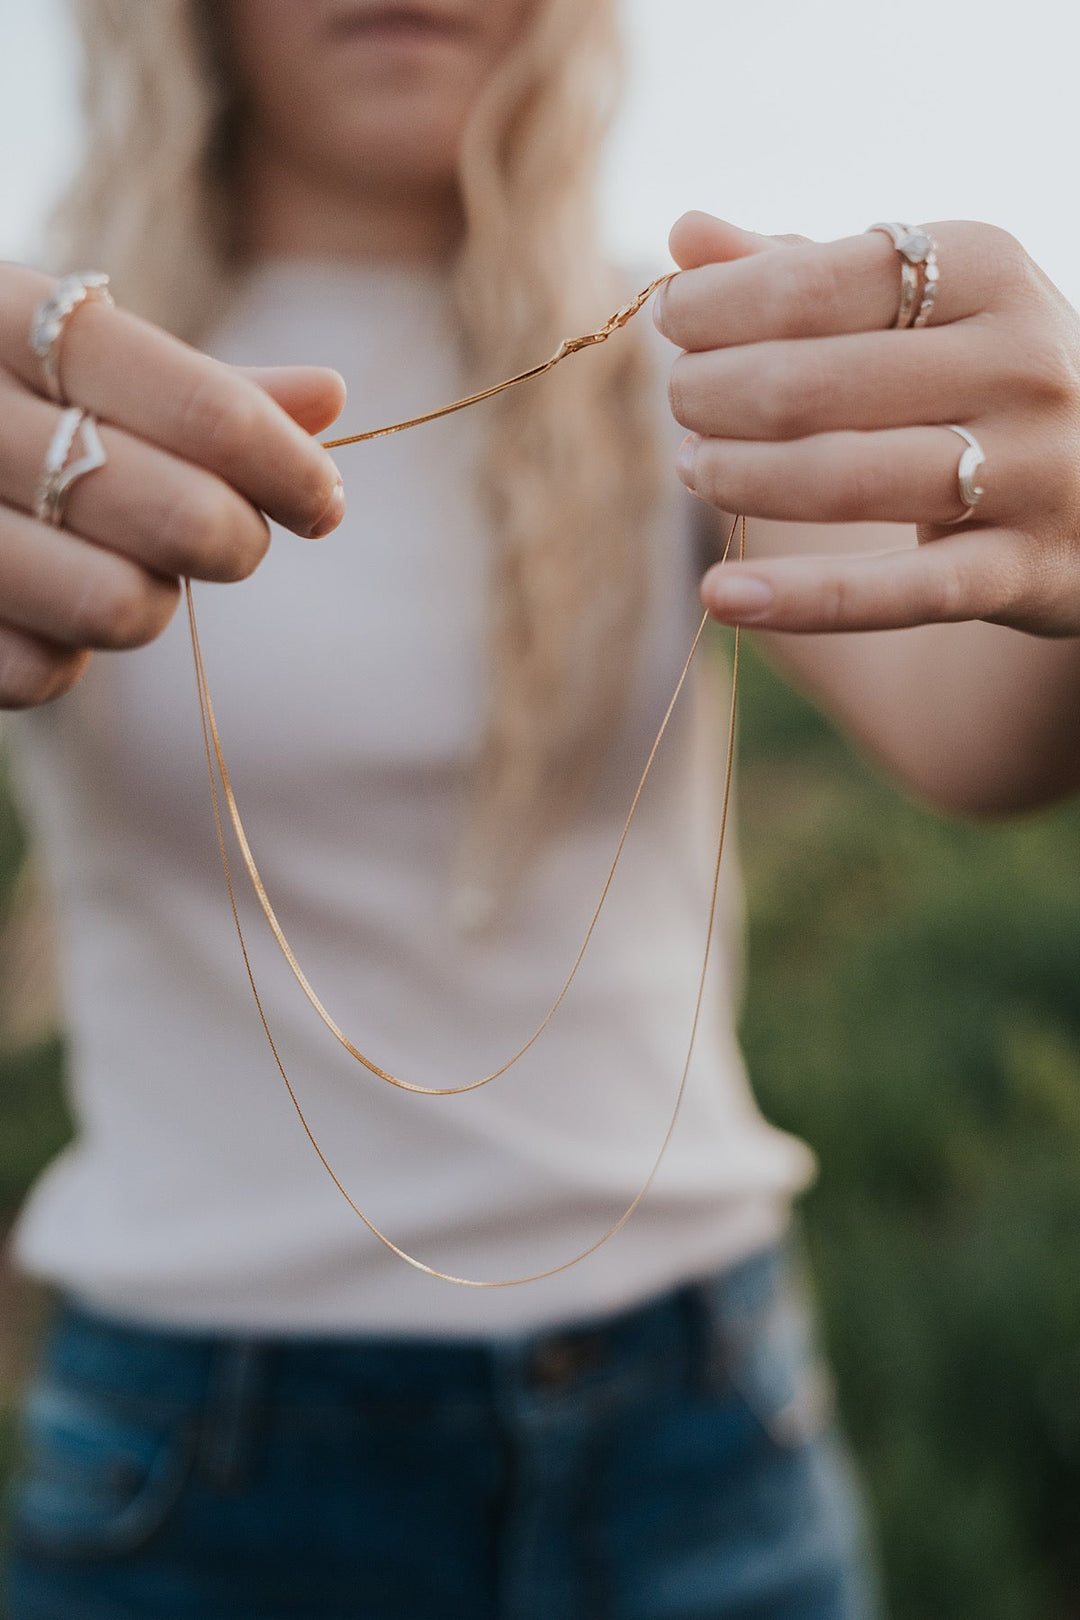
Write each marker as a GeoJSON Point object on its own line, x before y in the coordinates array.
{"type": "Point", "coordinates": [803, 405]}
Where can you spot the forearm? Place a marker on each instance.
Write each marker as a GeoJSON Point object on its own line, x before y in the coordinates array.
{"type": "Point", "coordinates": [972, 717]}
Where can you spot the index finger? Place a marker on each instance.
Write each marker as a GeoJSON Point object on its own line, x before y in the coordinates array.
{"type": "Point", "coordinates": [749, 294]}
{"type": "Point", "coordinates": [127, 372]}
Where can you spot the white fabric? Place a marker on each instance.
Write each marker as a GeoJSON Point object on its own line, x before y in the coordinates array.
{"type": "Point", "coordinates": [349, 678]}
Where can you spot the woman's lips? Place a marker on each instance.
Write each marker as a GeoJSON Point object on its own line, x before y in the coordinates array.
{"type": "Point", "coordinates": [386, 24]}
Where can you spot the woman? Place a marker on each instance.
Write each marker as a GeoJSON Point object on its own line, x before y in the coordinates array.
{"type": "Point", "coordinates": [246, 1406]}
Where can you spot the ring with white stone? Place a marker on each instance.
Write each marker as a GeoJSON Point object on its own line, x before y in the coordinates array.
{"type": "Point", "coordinates": [931, 275]}
{"type": "Point", "coordinates": [971, 460]}
{"type": "Point", "coordinates": [58, 472]}
{"type": "Point", "coordinates": [51, 316]}
{"type": "Point", "coordinates": [918, 271]}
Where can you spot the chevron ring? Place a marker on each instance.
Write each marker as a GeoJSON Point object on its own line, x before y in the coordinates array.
{"type": "Point", "coordinates": [59, 472]}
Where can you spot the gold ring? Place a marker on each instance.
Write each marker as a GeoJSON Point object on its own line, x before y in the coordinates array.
{"type": "Point", "coordinates": [919, 272]}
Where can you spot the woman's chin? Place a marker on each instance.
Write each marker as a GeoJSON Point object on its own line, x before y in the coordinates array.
{"type": "Point", "coordinates": [401, 141]}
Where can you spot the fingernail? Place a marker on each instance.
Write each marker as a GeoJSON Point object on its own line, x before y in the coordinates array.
{"type": "Point", "coordinates": [333, 515]}
{"type": "Point", "coordinates": [686, 460]}
{"type": "Point", "coordinates": [739, 598]}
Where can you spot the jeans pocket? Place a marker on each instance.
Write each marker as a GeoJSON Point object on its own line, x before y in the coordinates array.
{"type": "Point", "coordinates": [767, 1353]}
{"type": "Point", "coordinates": [99, 1476]}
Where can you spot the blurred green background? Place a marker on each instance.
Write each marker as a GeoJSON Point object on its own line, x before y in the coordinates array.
{"type": "Point", "coordinates": [915, 1014]}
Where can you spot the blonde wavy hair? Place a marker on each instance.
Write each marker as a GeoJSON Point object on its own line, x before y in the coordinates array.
{"type": "Point", "coordinates": [569, 468]}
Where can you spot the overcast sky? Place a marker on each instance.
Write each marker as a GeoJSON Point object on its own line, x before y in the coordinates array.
{"type": "Point", "coordinates": [781, 114]}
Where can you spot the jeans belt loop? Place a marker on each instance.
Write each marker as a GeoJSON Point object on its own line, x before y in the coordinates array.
{"type": "Point", "coordinates": [234, 1391]}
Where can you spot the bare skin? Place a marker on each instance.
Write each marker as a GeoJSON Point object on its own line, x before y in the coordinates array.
{"type": "Point", "coordinates": [801, 403]}
{"type": "Point", "coordinates": [197, 453]}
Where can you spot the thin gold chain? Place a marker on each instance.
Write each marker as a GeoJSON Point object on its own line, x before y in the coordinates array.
{"type": "Point", "coordinates": [567, 347]}
{"type": "Point", "coordinates": [290, 956]}
{"type": "Point", "coordinates": [214, 751]}
{"type": "Point", "coordinates": [570, 346]}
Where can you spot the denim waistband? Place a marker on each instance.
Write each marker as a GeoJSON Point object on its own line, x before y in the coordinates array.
{"type": "Point", "coordinates": [176, 1368]}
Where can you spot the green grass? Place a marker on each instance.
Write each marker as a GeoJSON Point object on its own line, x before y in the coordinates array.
{"type": "Point", "coordinates": [914, 1013]}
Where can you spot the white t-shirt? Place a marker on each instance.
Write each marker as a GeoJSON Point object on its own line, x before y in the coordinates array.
{"type": "Point", "coordinates": [349, 676]}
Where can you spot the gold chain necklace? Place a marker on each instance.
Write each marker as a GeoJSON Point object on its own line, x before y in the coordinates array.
{"type": "Point", "coordinates": [215, 755]}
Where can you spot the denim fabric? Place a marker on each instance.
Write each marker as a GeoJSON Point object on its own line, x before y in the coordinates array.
{"type": "Point", "coordinates": [677, 1462]}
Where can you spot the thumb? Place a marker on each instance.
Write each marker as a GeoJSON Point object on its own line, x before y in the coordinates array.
{"type": "Point", "coordinates": [698, 239]}
{"type": "Point", "coordinates": [312, 395]}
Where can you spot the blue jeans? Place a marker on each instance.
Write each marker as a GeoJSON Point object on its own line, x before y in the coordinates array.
{"type": "Point", "coordinates": [676, 1462]}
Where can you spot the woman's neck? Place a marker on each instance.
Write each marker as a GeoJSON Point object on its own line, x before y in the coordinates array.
{"type": "Point", "coordinates": [291, 211]}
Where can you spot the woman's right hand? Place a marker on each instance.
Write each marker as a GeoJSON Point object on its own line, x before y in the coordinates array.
{"type": "Point", "coordinates": [197, 452]}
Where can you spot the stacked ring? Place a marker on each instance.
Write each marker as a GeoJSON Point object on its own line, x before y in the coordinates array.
{"type": "Point", "coordinates": [58, 473]}
{"type": "Point", "coordinates": [51, 317]}
{"type": "Point", "coordinates": [919, 271]}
